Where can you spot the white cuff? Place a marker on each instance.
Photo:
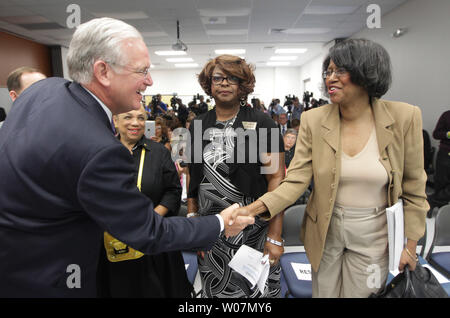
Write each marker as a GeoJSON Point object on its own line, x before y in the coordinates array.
{"type": "Point", "coordinates": [222, 226]}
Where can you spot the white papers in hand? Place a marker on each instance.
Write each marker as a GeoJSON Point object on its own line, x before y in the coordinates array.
{"type": "Point", "coordinates": [251, 264]}
{"type": "Point", "coordinates": [396, 236]}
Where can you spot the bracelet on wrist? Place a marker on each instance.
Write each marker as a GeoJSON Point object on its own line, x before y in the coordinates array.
{"type": "Point", "coordinates": [191, 214]}
{"type": "Point", "coordinates": [411, 255]}
{"type": "Point", "coordinates": [275, 242]}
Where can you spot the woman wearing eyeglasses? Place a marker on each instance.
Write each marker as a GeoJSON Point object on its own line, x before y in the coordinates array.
{"type": "Point", "coordinates": [364, 154]}
{"type": "Point", "coordinates": [230, 169]}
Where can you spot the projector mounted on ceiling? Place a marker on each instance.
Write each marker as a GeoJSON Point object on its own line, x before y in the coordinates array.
{"type": "Point", "coordinates": [179, 46]}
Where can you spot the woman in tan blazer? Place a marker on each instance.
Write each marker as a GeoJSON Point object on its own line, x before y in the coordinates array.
{"type": "Point", "coordinates": [363, 154]}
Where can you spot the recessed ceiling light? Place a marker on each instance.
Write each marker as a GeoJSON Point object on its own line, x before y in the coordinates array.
{"type": "Point", "coordinates": [283, 58]}
{"type": "Point", "coordinates": [290, 51]}
{"type": "Point", "coordinates": [307, 31]}
{"type": "Point", "coordinates": [169, 53]}
{"type": "Point", "coordinates": [186, 65]}
{"type": "Point", "coordinates": [324, 9]}
{"type": "Point", "coordinates": [399, 32]}
{"type": "Point", "coordinates": [214, 20]}
{"type": "Point", "coordinates": [180, 59]}
{"type": "Point", "coordinates": [230, 51]}
{"type": "Point", "coordinates": [278, 63]}
{"type": "Point", "coordinates": [131, 15]}
{"type": "Point", "coordinates": [227, 32]}
{"type": "Point", "coordinates": [239, 12]}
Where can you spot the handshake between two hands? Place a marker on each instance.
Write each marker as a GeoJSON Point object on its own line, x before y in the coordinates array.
{"type": "Point", "coordinates": [236, 219]}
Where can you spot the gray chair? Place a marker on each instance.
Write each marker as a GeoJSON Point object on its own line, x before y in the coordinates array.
{"type": "Point", "coordinates": [292, 221]}
{"type": "Point", "coordinates": [441, 260]}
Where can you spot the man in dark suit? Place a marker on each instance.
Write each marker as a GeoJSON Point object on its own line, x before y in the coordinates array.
{"type": "Point", "coordinates": [65, 178]}
{"type": "Point", "coordinates": [283, 123]}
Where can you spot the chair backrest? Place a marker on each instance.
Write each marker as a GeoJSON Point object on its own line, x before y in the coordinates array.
{"type": "Point", "coordinates": [427, 149]}
{"type": "Point", "coordinates": [423, 242]}
{"type": "Point", "coordinates": [442, 227]}
{"type": "Point", "coordinates": [292, 222]}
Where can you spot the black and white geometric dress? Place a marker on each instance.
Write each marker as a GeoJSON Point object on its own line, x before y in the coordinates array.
{"type": "Point", "coordinates": [215, 194]}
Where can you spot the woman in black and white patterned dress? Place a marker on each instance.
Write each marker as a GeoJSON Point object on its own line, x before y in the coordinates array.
{"type": "Point", "coordinates": [231, 170]}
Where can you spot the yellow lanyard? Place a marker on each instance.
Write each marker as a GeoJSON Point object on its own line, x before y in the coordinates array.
{"type": "Point", "coordinates": [116, 251]}
{"type": "Point", "coordinates": [141, 168]}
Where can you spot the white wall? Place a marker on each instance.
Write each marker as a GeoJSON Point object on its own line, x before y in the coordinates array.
{"type": "Point", "coordinates": [64, 51]}
{"type": "Point", "coordinates": [312, 72]}
{"type": "Point", "coordinates": [5, 100]}
{"type": "Point", "coordinates": [419, 58]}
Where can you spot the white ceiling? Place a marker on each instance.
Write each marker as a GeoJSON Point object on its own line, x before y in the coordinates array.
{"type": "Point", "coordinates": [206, 25]}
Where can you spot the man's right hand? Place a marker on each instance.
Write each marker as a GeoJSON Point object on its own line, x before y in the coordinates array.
{"type": "Point", "coordinates": [250, 210]}
{"type": "Point", "coordinates": [239, 222]}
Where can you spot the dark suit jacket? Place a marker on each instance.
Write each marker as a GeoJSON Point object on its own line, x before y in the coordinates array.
{"type": "Point", "coordinates": [64, 179]}
{"type": "Point", "coordinates": [288, 125]}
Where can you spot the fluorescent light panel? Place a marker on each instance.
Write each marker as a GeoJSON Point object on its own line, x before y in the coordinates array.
{"type": "Point", "coordinates": [307, 31]}
{"type": "Point", "coordinates": [186, 65]}
{"type": "Point", "coordinates": [283, 58]}
{"type": "Point", "coordinates": [179, 59]}
{"type": "Point", "coordinates": [290, 51]}
{"type": "Point", "coordinates": [240, 12]}
{"type": "Point", "coordinates": [278, 63]}
{"type": "Point", "coordinates": [169, 53]}
{"type": "Point", "coordinates": [131, 15]}
{"type": "Point", "coordinates": [230, 51]}
{"type": "Point", "coordinates": [322, 10]}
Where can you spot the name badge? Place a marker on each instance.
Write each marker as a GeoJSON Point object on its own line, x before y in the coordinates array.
{"type": "Point", "coordinates": [249, 125]}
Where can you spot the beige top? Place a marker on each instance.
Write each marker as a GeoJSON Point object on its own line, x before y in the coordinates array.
{"type": "Point", "coordinates": [363, 180]}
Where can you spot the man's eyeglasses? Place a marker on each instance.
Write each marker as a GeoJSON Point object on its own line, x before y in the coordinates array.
{"type": "Point", "coordinates": [338, 72]}
{"type": "Point", "coordinates": [232, 80]}
{"type": "Point", "coordinates": [143, 72]}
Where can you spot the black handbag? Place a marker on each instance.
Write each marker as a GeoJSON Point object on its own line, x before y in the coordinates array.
{"type": "Point", "coordinates": [419, 283]}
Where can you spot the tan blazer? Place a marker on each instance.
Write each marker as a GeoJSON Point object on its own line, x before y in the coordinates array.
{"type": "Point", "coordinates": [318, 155]}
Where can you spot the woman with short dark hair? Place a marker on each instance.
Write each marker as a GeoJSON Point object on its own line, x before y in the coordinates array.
{"type": "Point", "coordinates": [364, 154]}
{"type": "Point", "coordinates": [221, 177]}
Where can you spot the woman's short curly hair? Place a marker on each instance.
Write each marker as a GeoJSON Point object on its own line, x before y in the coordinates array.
{"type": "Point", "coordinates": [230, 65]}
{"type": "Point", "coordinates": [367, 62]}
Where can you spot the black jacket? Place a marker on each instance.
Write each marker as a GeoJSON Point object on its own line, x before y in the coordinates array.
{"type": "Point", "coordinates": [160, 181]}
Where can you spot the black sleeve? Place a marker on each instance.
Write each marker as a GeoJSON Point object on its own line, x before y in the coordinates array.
{"type": "Point", "coordinates": [442, 127]}
{"type": "Point", "coordinates": [271, 128]}
{"type": "Point", "coordinates": [194, 168]}
{"type": "Point", "coordinates": [107, 192]}
{"type": "Point", "coordinates": [171, 198]}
